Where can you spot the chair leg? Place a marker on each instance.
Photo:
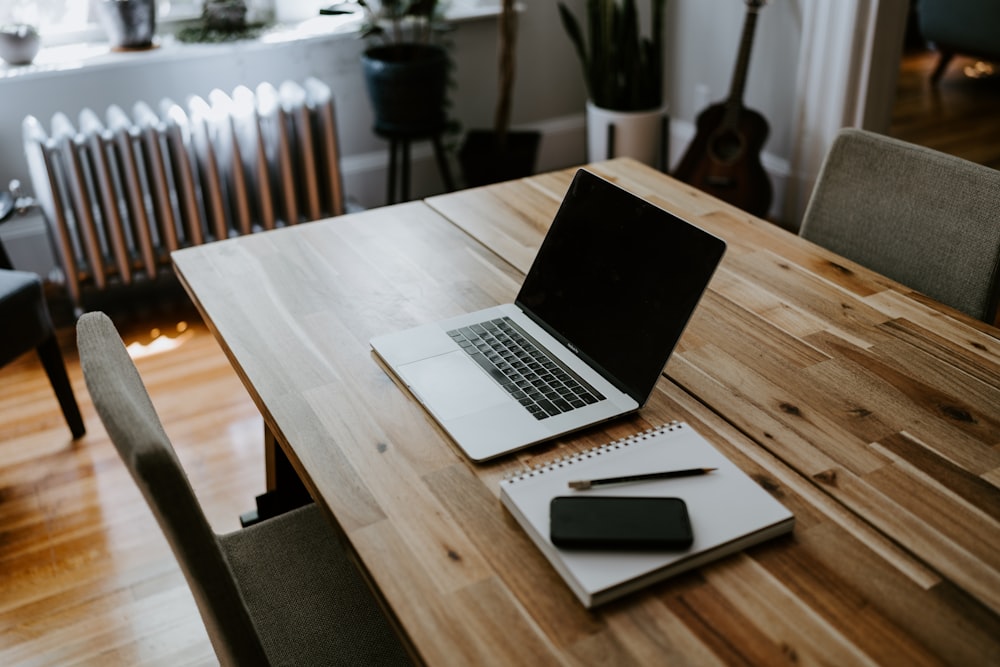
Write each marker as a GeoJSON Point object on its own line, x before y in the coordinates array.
{"type": "Point", "coordinates": [55, 368]}
{"type": "Point", "coordinates": [942, 65]}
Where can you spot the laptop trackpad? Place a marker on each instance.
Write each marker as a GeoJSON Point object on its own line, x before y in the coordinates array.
{"type": "Point", "coordinates": [453, 384]}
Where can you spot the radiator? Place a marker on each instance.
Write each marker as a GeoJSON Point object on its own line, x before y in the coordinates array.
{"type": "Point", "coordinates": [120, 193]}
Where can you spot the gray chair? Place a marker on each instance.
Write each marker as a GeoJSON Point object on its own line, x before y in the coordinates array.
{"type": "Point", "coordinates": [925, 219]}
{"type": "Point", "coordinates": [282, 592]}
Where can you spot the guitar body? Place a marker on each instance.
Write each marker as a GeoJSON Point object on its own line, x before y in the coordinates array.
{"type": "Point", "coordinates": [724, 158]}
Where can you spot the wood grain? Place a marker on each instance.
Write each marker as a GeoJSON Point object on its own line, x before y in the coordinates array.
{"type": "Point", "coordinates": [873, 427]}
{"type": "Point", "coordinates": [838, 381]}
{"type": "Point", "coordinates": [85, 573]}
{"type": "Point", "coordinates": [84, 579]}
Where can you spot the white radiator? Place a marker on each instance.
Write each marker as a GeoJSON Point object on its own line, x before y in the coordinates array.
{"type": "Point", "coordinates": [120, 194]}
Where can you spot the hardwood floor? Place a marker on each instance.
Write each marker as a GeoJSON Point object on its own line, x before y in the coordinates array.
{"type": "Point", "coordinates": [959, 116]}
{"type": "Point", "coordinates": [85, 574]}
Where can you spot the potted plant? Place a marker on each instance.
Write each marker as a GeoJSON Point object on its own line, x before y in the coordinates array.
{"type": "Point", "coordinates": [406, 70]}
{"type": "Point", "coordinates": [623, 71]}
{"type": "Point", "coordinates": [491, 156]}
{"type": "Point", "coordinates": [129, 24]}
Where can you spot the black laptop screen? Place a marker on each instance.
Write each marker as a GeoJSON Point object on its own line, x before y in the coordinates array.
{"type": "Point", "coordinates": [616, 279]}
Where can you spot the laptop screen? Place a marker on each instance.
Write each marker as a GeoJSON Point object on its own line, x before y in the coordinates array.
{"type": "Point", "coordinates": [616, 280]}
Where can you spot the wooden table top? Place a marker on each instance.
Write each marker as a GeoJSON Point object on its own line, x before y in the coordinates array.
{"type": "Point", "coordinates": [870, 411]}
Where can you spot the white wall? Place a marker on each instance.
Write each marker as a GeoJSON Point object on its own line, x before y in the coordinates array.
{"type": "Point", "coordinates": [549, 95]}
{"type": "Point", "coordinates": [702, 37]}
{"type": "Point", "coordinates": [702, 53]}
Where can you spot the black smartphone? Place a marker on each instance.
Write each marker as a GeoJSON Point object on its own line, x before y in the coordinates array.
{"type": "Point", "coordinates": [619, 523]}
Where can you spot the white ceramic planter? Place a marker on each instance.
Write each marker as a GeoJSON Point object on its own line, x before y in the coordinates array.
{"type": "Point", "coordinates": [19, 44]}
{"type": "Point", "coordinates": [637, 134]}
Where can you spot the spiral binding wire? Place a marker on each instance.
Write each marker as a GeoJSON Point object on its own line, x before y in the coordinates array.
{"type": "Point", "coordinates": [570, 459]}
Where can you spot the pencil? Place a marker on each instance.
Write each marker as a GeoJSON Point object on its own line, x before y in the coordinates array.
{"type": "Point", "coordinates": [582, 484]}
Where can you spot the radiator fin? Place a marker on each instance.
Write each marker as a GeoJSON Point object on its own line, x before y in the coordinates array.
{"type": "Point", "coordinates": [119, 195]}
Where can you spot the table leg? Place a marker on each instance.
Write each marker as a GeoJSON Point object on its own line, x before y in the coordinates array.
{"type": "Point", "coordinates": [406, 171]}
{"type": "Point", "coordinates": [442, 162]}
{"type": "Point", "coordinates": [285, 491]}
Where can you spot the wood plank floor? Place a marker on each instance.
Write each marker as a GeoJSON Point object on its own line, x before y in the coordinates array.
{"type": "Point", "coordinates": [959, 116]}
{"type": "Point", "coordinates": [86, 577]}
{"type": "Point", "coordinates": [85, 574]}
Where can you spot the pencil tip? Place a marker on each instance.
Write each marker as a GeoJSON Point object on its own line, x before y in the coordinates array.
{"type": "Point", "coordinates": [709, 469]}
{"type": "Point", "coordinates": [579, 484]}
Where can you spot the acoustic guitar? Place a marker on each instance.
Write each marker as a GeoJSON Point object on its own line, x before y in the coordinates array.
{"type": "Point", "coordinates": [724, 156]}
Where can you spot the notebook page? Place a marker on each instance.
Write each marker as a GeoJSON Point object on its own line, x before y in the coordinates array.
{"type": "Point", "coordinates": [724, 505]}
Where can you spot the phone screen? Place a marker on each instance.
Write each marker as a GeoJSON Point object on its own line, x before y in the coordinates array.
{"type": "Point", "coordinates": [619, 523]}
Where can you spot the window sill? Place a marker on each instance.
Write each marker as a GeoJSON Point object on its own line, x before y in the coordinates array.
{"type": "Point", "coordinates": [58, 60]}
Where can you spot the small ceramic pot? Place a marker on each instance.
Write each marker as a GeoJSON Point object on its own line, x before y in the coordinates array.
{"type": "Point", "coordinates": [129, 24]}
{"type": "Point", "coordinates": [19, 44]}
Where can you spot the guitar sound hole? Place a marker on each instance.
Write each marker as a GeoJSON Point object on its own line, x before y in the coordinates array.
{"type": "Point", "coordinates": [727, 146]}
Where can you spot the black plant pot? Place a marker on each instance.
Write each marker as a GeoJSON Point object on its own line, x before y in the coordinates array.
{"type": "Point", "coordinates": [406, 84]}
{"type": "Point", "coordinates": [485, 161]}
{"type": "Point", "coordinates": [129, 24]}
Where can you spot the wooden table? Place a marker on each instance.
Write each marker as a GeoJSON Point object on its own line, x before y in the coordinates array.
{"type": "Point", "coordinates": [868, 410]}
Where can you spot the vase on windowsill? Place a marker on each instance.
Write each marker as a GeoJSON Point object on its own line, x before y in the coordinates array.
{"type": "Point", "coordinates": [128, 24]}
{"type": "Point", "coordinates": [19, 44]}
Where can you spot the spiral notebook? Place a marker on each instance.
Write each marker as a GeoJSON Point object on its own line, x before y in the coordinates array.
{"type": "Point", "coordinates": [728, 510]}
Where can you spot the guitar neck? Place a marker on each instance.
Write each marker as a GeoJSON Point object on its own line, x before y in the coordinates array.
{"type": "Point", "coordinates": [735, 100]}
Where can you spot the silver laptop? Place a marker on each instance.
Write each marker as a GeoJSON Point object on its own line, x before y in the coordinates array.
{"type": "Point", "coordinates": [602, 307]}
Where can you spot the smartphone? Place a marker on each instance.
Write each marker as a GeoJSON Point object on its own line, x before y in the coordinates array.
{"type": "Point", "coordinates": [619, 523]}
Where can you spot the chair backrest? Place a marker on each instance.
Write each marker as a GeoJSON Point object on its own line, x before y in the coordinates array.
{"type": "Point", "coordinates": [925, 219]}
{"type": "Point", "coordinates": [131, 421]}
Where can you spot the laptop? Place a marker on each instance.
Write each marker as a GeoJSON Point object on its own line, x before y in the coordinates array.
{"type": "Point", "coordinates": [612, 287]}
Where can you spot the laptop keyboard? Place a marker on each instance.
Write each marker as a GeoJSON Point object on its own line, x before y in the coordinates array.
{"type": "Point", "coordinates": [543, 385]}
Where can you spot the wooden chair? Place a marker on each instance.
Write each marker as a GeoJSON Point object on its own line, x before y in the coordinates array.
{"type": "Point", "coordinates": [27, 326]}
{"type": "Point", "coordinates": [925, 219]}
{"type": "Point", "coordinates": [282, 592]}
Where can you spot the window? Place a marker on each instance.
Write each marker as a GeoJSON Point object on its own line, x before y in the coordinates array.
{"type": "Point", "coordinates": [61, 21]}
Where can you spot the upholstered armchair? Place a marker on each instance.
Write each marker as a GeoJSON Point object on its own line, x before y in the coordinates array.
{"type": "Point", "coordinates": [25, 325]}
{"type": "Point", "coordinates": [970, 27]}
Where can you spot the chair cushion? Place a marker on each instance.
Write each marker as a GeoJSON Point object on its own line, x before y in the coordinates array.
{"type": "Point", "coordinates": [23, 312]}
{"type": "Point", "coordinates": [305, 595]}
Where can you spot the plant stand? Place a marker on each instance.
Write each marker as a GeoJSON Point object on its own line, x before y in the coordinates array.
{"type": "Point", "coordinates": [399, 146]}
{"type": "Point", "coordinates": [406, 85]}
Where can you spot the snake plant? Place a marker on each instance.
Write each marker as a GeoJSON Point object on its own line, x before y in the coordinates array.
{"type": "Point", "coordinates": [623, 69]}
